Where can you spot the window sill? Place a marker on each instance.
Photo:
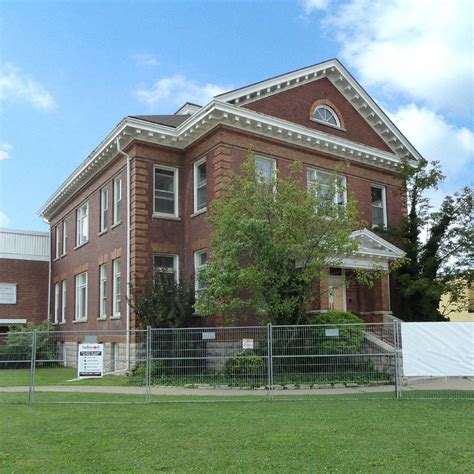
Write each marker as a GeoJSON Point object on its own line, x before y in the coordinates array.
{"type": "Point", "coordinates": [115, 316]}
{"type": "Point", "coordinates": [56, 259]}
{"type": "Point", "coordinates": [62, 323]}
{"type": "Point", "coordinates": [102, 318]}
{"type": "Point", "coordinates": [80, 321]}
{"type": "Point", "coordinates": [198, 213]}
{"type": "Point", "coordinates": [166, 216]}
{"type": "Point", "coordinates": [381, 227]}
{"type": "Point", "coordinates": [64, 255]}
{"type": "Point", "coordinates": [320, 122]}
{"type": "Point", "coordinates": [102, 232]}
{"type": "Point", "coordinates": [115, 225]}
{"type": "Point", "coordinates": [81, 245]}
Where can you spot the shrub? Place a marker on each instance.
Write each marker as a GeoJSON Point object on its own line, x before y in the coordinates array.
{"type": "Point", "coordinates": [245, 366]}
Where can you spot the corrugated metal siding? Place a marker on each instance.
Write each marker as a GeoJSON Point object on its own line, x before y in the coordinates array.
{"type": "Point", "coordinates": [24, 245]}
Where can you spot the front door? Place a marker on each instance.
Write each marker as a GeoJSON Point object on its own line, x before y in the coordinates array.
{"type": "Point", "coordinates": [337, 290]}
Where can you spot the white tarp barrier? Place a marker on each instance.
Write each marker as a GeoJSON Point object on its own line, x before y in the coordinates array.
{"type": "Point", "coordinates": [438, 349]}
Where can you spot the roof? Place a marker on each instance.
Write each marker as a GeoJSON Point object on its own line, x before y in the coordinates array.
{"type": "Point", "coordinates": [24, 245]}
{"type": "Point", "coordinates": [167, 120]}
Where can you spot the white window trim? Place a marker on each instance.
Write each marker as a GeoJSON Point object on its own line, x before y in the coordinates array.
{"type": "Point", "coordinates": [77, 291]}
{"type": "Point", "coordinates": [309, 182]}
{"type": "Point", "coordinates": [64, 226]}
{"type": "Point", "coordinates": [102, 294]}
{"type": "Point", "coordinates": [116, 314]}
{"type": "Point", "coordinates": [117, 198]}
{"type": "Point", "coordinates": [197, 268]}
{"type": "Point", "coordinates": [56, 241]}
{"type": "Point", "coordinates": [78, 242]}
{"type": "Point", "coordinates": [175, 263]}
{"type": "Point", "coordinates": [384, 204]}
{"type": "Point", "coordinates": [333, 112]}
{"type": "Point", "coordinates": [103, 224]}
{"type": "Point", "coordinates": [176, 191]}
{"type": "Point", "coordinates": [63, 301]}
{"type": "Point", "coordinates": [56, 303]}
{"type": "Point", "coordinates": [195, 187]}
{"type": "Point", "coordinates": [271, 160]}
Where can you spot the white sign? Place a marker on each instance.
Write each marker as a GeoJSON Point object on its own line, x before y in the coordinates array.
{"type": "Point", "coordinates": [332, 332]}
{"type": "Point", "coordinates": [208, 336]}
{"type": "Point", "coordinates": [438, 349]}
{"type": "Point", "coordinates": [7, 293]}
{"type": "Point", "coordinates": [90, 362]}
{"type": "Point", "coordinates": [247, 343]}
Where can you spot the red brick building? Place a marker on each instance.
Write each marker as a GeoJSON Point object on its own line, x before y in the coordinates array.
{"type": "Point", "coordinates": [24, 276]}
{"type": "Point", "coordinates": [140, 198]}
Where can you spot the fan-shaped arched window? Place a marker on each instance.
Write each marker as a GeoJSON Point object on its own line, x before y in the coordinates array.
{"type": "Point", "coordinates": [325, 114]}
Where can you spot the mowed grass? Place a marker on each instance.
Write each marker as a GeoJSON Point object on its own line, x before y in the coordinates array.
{"type": "Point", "coordinates": [312, 436]}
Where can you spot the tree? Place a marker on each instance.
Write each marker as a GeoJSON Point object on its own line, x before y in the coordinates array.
{"type": "Point", "coordinates": [440, 263]}
{"type": "Point", "coordinates": [271, 241]}
{"type": "Point", "coordinates": [163, 302]}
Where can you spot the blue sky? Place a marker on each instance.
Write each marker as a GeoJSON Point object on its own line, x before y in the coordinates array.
{"type": "Point", "coordinates": [69, 71]}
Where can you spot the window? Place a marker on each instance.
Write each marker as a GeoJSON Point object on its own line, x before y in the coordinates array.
{"type": "Point", "coordinates": [56, 241]}
{"type": "Point", "coordinates": [165, 192]}
{"type": "Point", "coordinates": [104, 209]}
{"type": "Point", "coordinates": [167, 265]}
{"type": "Point", "coordinates": [64, 237]}
{"type": "Point", "coordinates": [325, 114]}
{"type": "Point", "coordinates": [103, 291]}
{"type": "Point", "coordinates": [56, 303]}
{"type": "Point", "coordinates": [379, 210]}
{"type": "Point", "coordinates": [200, 261]}
{"type": "Point", "coordinates": [320, 182]}
{"type": "Point", "coordinates": [81, 297]}
{"type": "Point", "coordinates": [116, 288]}
{"type": "Point", "coordinates": [200, 185]}
{"type": "Point", "coordinates": [266, 168]}
{"type": "Point", "coordinates": [63, 302]}
{"type": "Point", "coordinates": [82, 224]}
{"type": "Point", "coordinates": [117, 200]}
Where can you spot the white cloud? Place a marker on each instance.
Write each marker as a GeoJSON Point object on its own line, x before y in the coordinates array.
{"type": "Point", "coordinates": [176, 90]}
{"type": "Point", "coordinates": [15, 85]}
{"type": "Point", "coordinates": [5, 151]}
{"type": "Point", "coordinates": [145, 59]}
{"type": "Point", "coordinates": [420, 48]}
{"type": "Point", "coordinates": [312, 5]}
{"type": "Point", "coordinates": [4, 220]}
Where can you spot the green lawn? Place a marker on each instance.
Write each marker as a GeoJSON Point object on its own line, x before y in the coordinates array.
{"type": "Point", "coordinates": [316, 436]}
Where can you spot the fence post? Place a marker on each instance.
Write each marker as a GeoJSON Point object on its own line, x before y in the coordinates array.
{"type": "Point", "coordinates": [32, 368]}
{"type": "Point", "coordinates": [398, 378]}
{"type": "Point", "coordinates": [148, 364]}
{"type": "Point", "coordinates": [270, 360]}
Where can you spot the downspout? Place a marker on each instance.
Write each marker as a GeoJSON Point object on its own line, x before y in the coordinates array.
{"type": "Point", "coordinates": [127, 337]}
{"type": "Point", "coordinates": [49, 269]}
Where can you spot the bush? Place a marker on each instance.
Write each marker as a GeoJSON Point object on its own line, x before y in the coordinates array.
{"type": "Point", "coordinates": [245, 366]}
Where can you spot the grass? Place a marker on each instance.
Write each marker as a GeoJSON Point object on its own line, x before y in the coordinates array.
{"type": "Point", "coordinates": [343, 436]}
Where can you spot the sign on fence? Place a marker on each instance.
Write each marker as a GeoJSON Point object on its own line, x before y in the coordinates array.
{"type": "Point", "coordinates": [90, 361]}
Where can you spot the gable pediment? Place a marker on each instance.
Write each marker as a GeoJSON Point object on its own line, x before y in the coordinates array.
{"type": "Point", "coordinates": [372, 245]}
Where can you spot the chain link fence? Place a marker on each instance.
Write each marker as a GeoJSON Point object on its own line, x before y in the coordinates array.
{"type": "Point", "coordinates": [348, 361]}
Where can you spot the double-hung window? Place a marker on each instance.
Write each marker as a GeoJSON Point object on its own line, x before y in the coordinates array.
{"type": "Point", "coordinates": [266, 168]}
{"type": "Point", "coordinates": [63, 301]}
{"type": "Point", "coordinates": [81, 297]}
{"type": "Point", "coordinates": [200, 262]}
{"type": "Point", "coordinates": [117, 200]}
{"type": "Point", "coordinates": [64, 237]}
{"type": "Point", "coordinates": [327, 186]}
{"type": "Point", "coordinates": [379, 207]}
{"type": "Point", "coordinates": [116, 290]}
{"type": "Point", "coordinates": [56, 241]}
{"type": "Point", "coordinates": [104, 209]}
{"type": "Point", "coordinates": [56, 303]}
{"type": "Point", "coordinates": [165, 202]}
{"type": "Point", "coordinates": [82, 224]}
{"type": "Point", "coordinates": [200, 185]}
{"type": "Point", "coordinates": [103, 291]}
{"type": "Point", "coordinates": [166, 265]}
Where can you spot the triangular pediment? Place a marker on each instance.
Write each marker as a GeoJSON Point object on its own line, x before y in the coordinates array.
{"type": "Point", "coordinates": [370, 244]}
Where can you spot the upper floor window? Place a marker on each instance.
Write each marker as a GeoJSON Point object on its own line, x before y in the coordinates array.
{"type": "Point", "coordinates": [200, 185]}
{"type": "Point", "coordinates": [56, 303]}
{"type": "Point", "coordinates": [379, 207]}
{"type": "Point", "coordinates": [104, 209]}
{"type": "Point", "coordinates": [327, 185]}
{"type": "Point", "coordinates": [325, 114]}
{"type": "Point", "coordinates": [82, 224]}
{"type": "Point", "coordinates": [63, 302]}
{"type": "Point", "coordinates": [80, 313]}
{"type": "Point", "coordinates": [103, 291]}
{"type": "Point", "coordinates": [266, 168]}
{"type": "Point", "coordinates": [200, 262]}
{"type": "Point", "coordinates": [116, 290]}
{"type": "Point", "coordinates": [166, 264]}
{"type": "Point", "coordinates": [117, 200]}
{"type": "Point", "coordinates": [64, 237]}
{"type": "Point", "coordinates": [165, 202]}
{"type": "Point", "coordinates": [56, 241]}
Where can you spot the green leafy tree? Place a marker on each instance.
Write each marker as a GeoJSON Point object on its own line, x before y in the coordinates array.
{"type": "Point", "coordinates": [270, 242]}
{"type": "Point", "coordinates": [439, 247]}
